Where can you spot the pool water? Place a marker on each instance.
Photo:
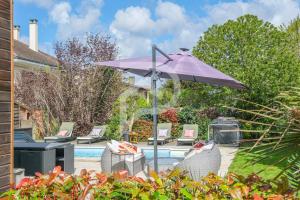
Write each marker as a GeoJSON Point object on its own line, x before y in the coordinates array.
{"type": "Point", "coordinates": [83, 152]}
{"type": "Point", "coordinates": [88, 152]}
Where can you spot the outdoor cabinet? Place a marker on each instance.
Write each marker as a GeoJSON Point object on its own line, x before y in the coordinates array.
{"type": "Point", "coordinates": [43, 157]}
{"type": "Point", "coordinates": [35, 161]}
{"type": "Point", "coordinates": [65, 158]}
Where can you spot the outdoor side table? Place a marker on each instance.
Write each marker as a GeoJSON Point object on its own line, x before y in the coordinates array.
{"type": "Point", "coordinates": [127, 162]}
{"type": "Point", "coordinates": [118, 161]}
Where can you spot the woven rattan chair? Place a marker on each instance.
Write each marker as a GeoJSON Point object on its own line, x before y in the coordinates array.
{"type": "Point", "coordinates": [201, 162]}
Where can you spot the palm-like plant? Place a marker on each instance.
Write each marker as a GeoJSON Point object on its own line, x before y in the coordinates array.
{"type": "Point", "coordinates": [278, 127]}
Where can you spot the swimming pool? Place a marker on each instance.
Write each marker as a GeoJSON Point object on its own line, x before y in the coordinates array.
{"type": "Point", "coordinates": [96, 152]}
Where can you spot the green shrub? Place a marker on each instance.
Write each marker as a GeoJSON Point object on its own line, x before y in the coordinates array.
{"type": "Point", "coordinates": [145, 115]}
{"type": "Point", "coordinates": [113, 129]}
{"type": "Point", "coordinates": [203, 127]}
{"type": "Point", "coordinates": [176, 131]}
{"type": "Point", "coordinates": [171, 185]}
{"type": "Point", "coordinates": [187, 115]}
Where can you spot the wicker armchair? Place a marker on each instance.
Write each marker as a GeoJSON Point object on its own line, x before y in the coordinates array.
{"type": "Point", "coordinates": [201, 163]}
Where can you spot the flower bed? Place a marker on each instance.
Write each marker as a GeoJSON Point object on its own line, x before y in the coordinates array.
{"type": "Point", "coordinates": [171, 185]}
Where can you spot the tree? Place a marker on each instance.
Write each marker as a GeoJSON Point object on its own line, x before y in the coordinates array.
{"type": "Point", "coordinates": [89, 90]}
{"type": "Point", "coordinates": [252, 51]}
{"type": "Point", "coordinates": [76, 91]}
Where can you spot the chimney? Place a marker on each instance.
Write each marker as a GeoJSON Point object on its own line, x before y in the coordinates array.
{"type": "Point", "coordinates": [33, 35]}
{"type": "Point", "coordinates": [131, 80]}
{"type": "Point", "coordinates": [17, 32]}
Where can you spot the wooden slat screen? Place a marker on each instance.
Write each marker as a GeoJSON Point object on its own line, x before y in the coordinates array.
{"type": "Point", "coordinates": [6, 99]}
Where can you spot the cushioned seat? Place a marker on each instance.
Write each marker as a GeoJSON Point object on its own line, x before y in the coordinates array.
{"type": "Point", "coordinates": [95, 135]}
{"type": "Point", "coordinates": [67, 129]}
{"type": "Point", "coordinates": [165, 129]}
{"type": "Point", "coordinates": [200, 162]}
{"type": "Point", "coordinates": [189, 134]}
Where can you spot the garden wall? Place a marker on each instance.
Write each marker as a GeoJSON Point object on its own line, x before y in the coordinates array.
{"type": "Point", "coordinates": [6, 91]}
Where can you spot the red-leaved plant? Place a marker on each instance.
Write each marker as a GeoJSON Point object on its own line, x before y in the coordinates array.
{"type": "Point", "coordinates": [169, 185]}
{"type": "Point", "coordinates": [169, 115]}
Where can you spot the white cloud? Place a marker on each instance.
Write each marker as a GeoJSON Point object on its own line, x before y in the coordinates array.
{"type": "Point", "coordinates": [170, 25]}
{"type": "Point", "coordinates": [61, 13]}
{"type": "Point", "coordinates": [135, 20]}
{"type": "Point", "coordinates": [135, 28]}
{"type": "Point", "coordinates": [78, 22]}
{"type": "Point", "coordinates": [71, 21]}
{"type": "Point", "coordinates": [277, 12]}
{"type": "Point", "coordinates": [170, 17]}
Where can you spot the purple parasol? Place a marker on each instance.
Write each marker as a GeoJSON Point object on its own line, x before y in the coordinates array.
{"type": "Point", "coordinates": [182, 65]}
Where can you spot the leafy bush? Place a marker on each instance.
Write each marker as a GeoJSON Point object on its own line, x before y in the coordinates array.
{"type": "Point", "coordinates": [113, 129]}
{"type": "Point", "coordinates": [178, 117]}
{"type": "Point", "coordinates": [176, 131]}
{"type": "Point", "coordinates": [143, 128]}
{"type": "Point", "coordinates": [211, 113]}
{"type": "Point", "coordinates": [187, 115]}
{"type": "Point", "coordinates": [203, 127]}
{"type": "Point", "coordinates": [145, 115]}
{"type": "Point", "coordinates": [169, 115]}
{"type": "Point", "coordinates": [171, 185]}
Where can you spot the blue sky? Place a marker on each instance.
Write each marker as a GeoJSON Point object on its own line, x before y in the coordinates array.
{"type": "Point", "coordinates": [136, 24]}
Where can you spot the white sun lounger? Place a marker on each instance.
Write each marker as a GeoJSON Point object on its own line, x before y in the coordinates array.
{"type": "Point", "coordinates": [96, 134]}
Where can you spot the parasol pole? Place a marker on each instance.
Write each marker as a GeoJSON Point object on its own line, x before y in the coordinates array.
{"type": "Point", "coordinates": [154, 78]}
{"type": "Point", "coordinates": [153, 86]}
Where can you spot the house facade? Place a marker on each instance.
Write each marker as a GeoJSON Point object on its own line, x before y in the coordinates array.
{"type": "Point", "coordinates": [28, 57]}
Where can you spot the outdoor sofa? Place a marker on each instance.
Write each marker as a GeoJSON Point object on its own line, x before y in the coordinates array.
{"type": "Point", "coordinates": [96, 134]}
{"type": "Point", "coordinates": [112, 161]}
{"type": "Point", "coordinates": [200, 162]}
{"type": "Point", "coordinates": [189, 134]}
{"type": "Point", "coordinates": [65, 133]}
{"type": "Point", "coordinates": [163, 133]}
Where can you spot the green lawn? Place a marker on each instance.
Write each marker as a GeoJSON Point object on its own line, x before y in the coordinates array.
{"type": "Point", "coordinates": [244, 163]}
